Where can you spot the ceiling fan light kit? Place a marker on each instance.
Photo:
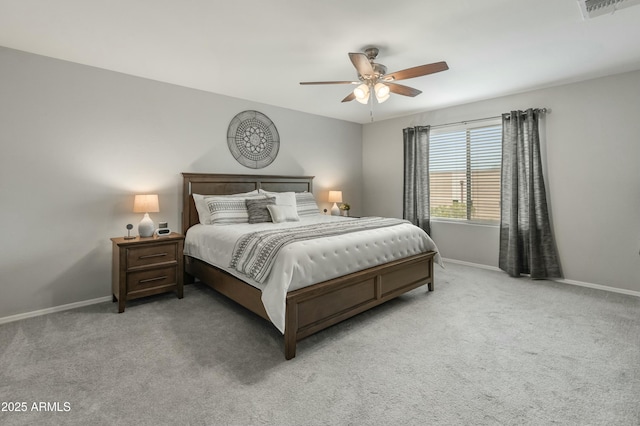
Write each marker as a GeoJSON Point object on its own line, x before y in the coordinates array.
{"type": "Point", "coordinates": [373, 79]}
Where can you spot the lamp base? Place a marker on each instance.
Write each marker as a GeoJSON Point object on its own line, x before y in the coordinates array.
{"type": "Point", "coordinates": [146, 226]}
{"type": "Point", "coordinates": [335, 210]}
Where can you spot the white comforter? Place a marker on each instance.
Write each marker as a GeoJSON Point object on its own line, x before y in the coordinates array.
{"type": "Point", "coordinates": [308, 262]}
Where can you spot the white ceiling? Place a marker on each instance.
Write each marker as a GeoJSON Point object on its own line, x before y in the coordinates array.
{"type": "Point", "coordinates": [261, 49]}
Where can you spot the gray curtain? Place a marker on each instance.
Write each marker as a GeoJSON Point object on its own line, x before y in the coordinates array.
{"type": "Point", "coordinates": [416, 176]}
{"type": "Point", "coordinates": [526, 243]}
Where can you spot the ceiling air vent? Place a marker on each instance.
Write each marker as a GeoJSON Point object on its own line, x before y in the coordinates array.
{"type": "Point", "coordinates": [593, 8]}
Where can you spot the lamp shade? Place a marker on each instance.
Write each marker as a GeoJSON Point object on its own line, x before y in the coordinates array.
{"type": "Point", "coordinates": [335, 196]}
{"type": "Point", "coordinates": [146, 204]}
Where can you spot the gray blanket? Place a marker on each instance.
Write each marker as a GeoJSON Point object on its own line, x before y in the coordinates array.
{"type": "Point", "coordinates": [255, 252]}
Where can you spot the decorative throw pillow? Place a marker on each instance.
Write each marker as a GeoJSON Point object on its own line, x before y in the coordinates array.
{"type": "Point", "coordinates": [306, 204]}
{"type": "Point", "coordinates": [257, 209]}
{"type": "Point", "coordinates": [227, 210]}
{"type": "Point", "coordinates": [203, 210]}
{"type": "Point", "coordinates": [283, 213]}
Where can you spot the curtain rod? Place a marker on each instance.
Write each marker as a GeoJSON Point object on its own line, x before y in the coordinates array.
{"type": "Point", "coordinates": [542, 110]}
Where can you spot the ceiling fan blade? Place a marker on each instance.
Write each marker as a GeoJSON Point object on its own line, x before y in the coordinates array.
{"type": "Point", "coordinates": [417, 71]}
{"type": "Point", "coordinates": [328, 82]}
{"type": "Point", "coordinates": [351, 96]}
{"type": "Point", "coordinates": [362, 64]}
{"type": "Point", "coordinates": [403, 90]}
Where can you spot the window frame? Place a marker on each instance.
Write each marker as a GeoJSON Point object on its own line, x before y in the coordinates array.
{"type": "Point", "coordinates": [466, 127]}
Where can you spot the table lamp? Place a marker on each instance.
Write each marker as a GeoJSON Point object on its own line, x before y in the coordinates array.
{"type": "Point", "coordinates": [146, 204]}
{"type": "Point", "coordinates": [335, 197]}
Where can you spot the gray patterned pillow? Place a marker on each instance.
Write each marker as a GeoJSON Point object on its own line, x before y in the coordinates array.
{"type": "Point", "coordinates": [204, 215]}
{"type": "Point", "coordinates": [224, 210]}
{"type": "Point", "coordinates": [306, 204]}
{"type": "Point", "coordinates": [258, 211]}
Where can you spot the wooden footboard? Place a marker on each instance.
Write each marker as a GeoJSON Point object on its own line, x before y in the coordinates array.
{"type": "Point", "coordinates": [314, 308]}
{"type": "Point", "coordinates": [317, 307]}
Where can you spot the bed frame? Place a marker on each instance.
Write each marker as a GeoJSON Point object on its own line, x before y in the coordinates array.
{"type": "Point", "coordinates": [309, 309]}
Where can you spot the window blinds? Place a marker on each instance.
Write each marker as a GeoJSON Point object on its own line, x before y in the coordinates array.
{"type": "Point", "coordinates": [464, 174]}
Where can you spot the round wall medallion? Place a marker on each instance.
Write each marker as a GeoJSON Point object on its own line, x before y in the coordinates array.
{"type": "Point", "coordinates": [253, 139]}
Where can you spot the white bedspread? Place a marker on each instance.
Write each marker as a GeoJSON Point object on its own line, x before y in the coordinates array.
{"type": "Point", "coordinates": [308, 262]}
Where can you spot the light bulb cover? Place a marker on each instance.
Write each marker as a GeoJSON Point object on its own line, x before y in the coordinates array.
{"type": "Point", "coordinates": [382, 92]}
{"type": "Point", "coordinates": [382, 89]}
{"type": "Point", "coordinates": [362, 93]}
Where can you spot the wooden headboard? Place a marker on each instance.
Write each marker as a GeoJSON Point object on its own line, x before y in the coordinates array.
{"type": "Point", "coordinates": [217, 184]}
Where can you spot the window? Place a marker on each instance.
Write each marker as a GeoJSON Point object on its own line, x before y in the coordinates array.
{"type": "Point", "coordinates": [464, 174]}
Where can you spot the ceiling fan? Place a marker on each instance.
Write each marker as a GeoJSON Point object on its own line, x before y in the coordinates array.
{"type": "Point", "coordinates": [374, 80]}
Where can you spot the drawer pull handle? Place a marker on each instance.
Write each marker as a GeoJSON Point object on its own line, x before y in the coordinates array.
{"type": "Point", "coordinates": [153, 255]}
{"type": "Point", "coordinates": [148, 280]}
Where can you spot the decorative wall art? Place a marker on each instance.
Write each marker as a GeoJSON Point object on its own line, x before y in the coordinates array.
{"type": "Point", "coordinates": [253, 139]}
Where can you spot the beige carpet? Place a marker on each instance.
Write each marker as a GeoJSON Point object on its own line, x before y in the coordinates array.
{"type": "Point", "coordinates": [483, 349]}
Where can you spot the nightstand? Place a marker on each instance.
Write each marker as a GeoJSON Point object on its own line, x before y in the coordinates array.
{"type": "Point", "coordinates": [146, 266]}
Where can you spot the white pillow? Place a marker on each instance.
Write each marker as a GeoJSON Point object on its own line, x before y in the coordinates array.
{"type": "Point", "coordinates": [283, 213]}
{"type": "Point", "coordinates": [203, 210]}
{"type": "Point", "coordinates": [282, 198]}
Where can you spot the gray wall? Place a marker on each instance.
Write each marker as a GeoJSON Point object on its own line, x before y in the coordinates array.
{"type": "Point", "coordinates": [591, 141]}
{"type": "Point", "coordinates": [78, 142]}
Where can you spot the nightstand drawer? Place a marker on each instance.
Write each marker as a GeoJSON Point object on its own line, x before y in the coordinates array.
{"type": "Point", "coordinates": [150, 278]}
{"type": "Point", "coordinates": [149, 255]}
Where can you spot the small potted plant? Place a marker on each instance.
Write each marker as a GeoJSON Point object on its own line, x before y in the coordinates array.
{"type": "Point", "coordinates": [345, 209]}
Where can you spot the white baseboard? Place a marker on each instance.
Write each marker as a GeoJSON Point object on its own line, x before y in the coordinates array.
{"type": "Point", "coordinates": [54, 309]}
{"type": "Point", "coordinates": [563, 281]}
{"type": "Point", "coordinates": [600, 287]}
{"type": "Point", "coordinates": [474, 265]}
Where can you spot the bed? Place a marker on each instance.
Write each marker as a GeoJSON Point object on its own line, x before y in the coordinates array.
{"type": "Point", "coordinates": [311, 308]}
